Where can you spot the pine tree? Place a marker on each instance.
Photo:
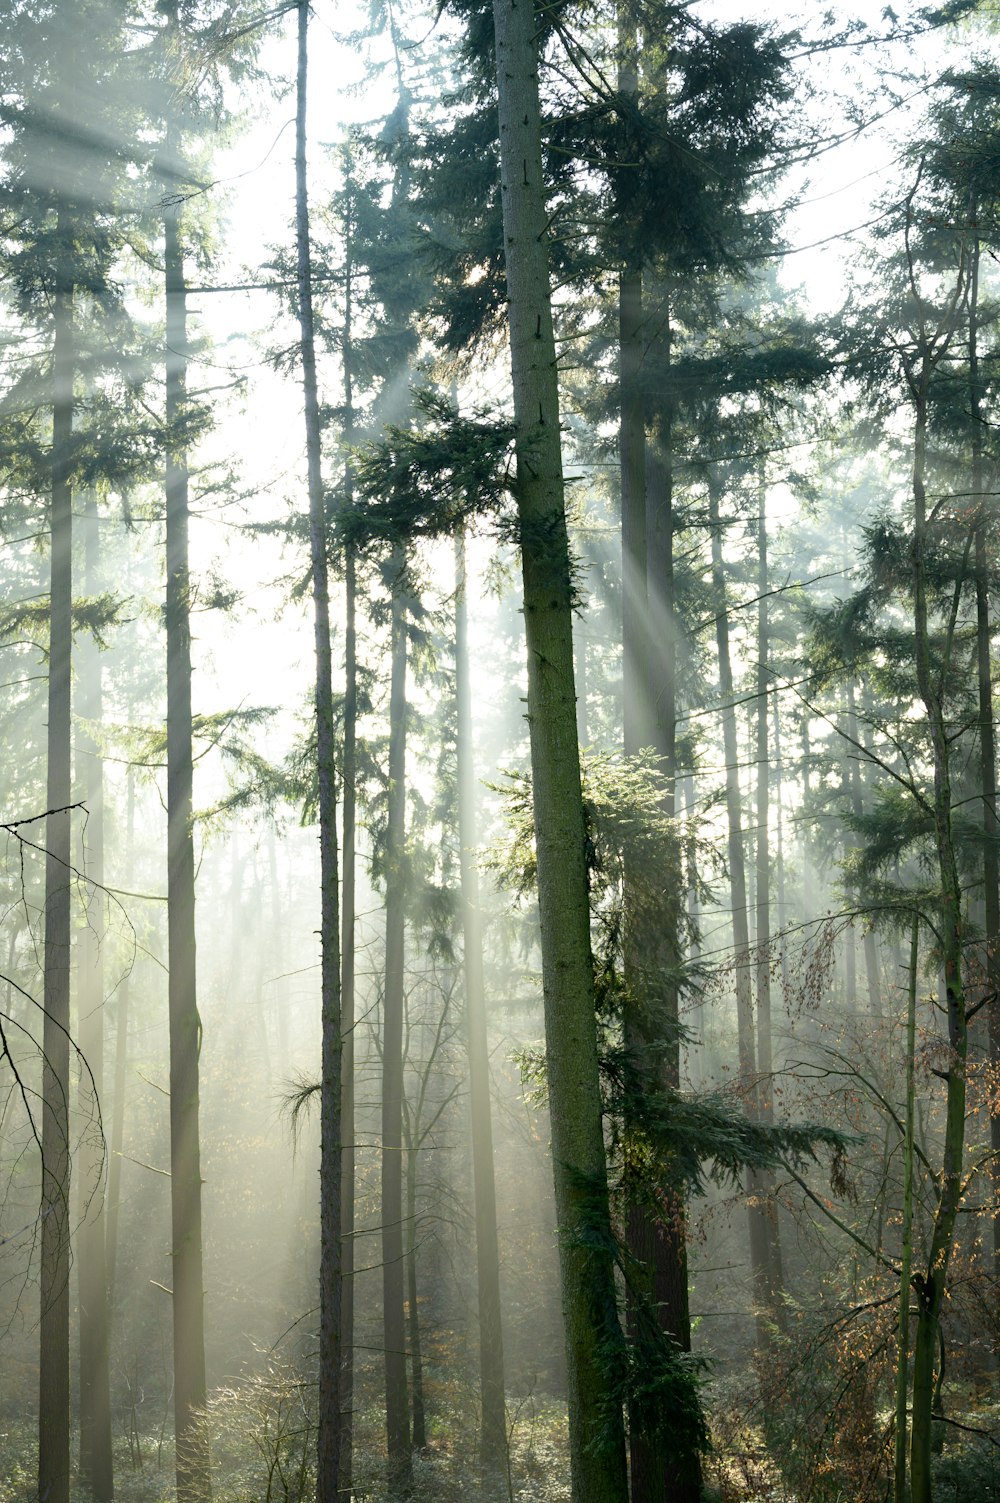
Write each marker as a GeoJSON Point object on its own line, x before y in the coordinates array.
{"type": "Point", "coordinates": [593, 1337]}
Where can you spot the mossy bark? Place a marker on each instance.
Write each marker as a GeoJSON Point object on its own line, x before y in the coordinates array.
{"type": "Point", "coordinates": [594, 1345]}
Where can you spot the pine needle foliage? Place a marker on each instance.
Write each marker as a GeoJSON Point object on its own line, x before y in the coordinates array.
{"type": "Point", "coordinates": [429, 480]}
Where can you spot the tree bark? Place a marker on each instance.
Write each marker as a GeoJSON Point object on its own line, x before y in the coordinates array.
{"type": "Point", "coordinates": [96, 1470]}
{"type": "Point", "coordinates": [651, 949]}
{"type": "Point", "coordinates": [192, 1460]}
{"type": "Point", "coordinates": [593, 1334]}
{"type": "Point", "coordinates": [397, 1413]}
{"type": "Point", "coordinates": [348, 907]}
{"type": "Point", "coordinates": [906, 1258]}
{"type": "Point", "coordinates": [347, 974]}
{"type": "Point", "coordinates": [780, 828]}
{"type": "Point", "coordinates": [328, 1457]}
{"type": "Point", "coordinates": [53, 1379]}
{"type": "Point", "coordinates": [765, 1049]}
{"type": "Point", "coordinates": [493, 1413]}
{"type": "Point", "coordinates": [857, 805]}
{"type": "Point", "coordinates": [121, 1064]}
{"type": "Point", "coordinates": [987, 738]}
{"type": "Point", "coordinates": [931, 1285]}
{"type": "Point", "coordinates": [419, 1438]}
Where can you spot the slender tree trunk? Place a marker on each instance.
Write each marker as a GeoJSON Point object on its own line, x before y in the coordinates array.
{"type": "Point", "coordinates": [932, 1284]}
{"type": "Point", "coordinates": [849, 932]}
{"type": "Point", "coordinates": [53, 1380]}
{"type": "Point", "coordinates": [347, 982]}
{"type": "Point", "coordinates": [192, 1460]}
{"type": "Point", "coordinates": [348, 899]}
{"type": "Point", "coordinates": [763, 894]}
{"type": "Point", "coordinates": [96, 1472]}
{"type": "Point", "coordinates": [328, 1458]}
{"type": "Point", "coordinates": [419, 1440]}
{"type": "Point", "coordinates": [987, 739]}
{"type": "Point", "coordinates": [493, 1426]}
{"type": "Point", "coordinates": [397, 1413]}
{"type": "Point", "coordinates": [906, 1259]}
{"type": "Point", "coordinates": [593, 1334]}
{"type": "Point", "coordinates": [764, 1294]}
{"type": "Point", "coordinates": [765, 1050]}
{"type": "Point", "coordinates": [123, 991]}
{"type": "Point", "coordinates": [780, 826]}
{"type": "Point", "coordinates": [857, 806]}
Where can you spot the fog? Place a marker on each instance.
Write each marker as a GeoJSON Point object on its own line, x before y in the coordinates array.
{"type": "Point", "coordinates": [499, 965]}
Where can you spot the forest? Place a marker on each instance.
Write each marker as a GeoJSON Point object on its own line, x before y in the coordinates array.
{"type": "Point", "coordinates": [500, 947]}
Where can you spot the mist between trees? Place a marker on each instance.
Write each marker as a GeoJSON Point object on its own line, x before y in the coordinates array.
{"type": "Point", "coordinates": [500, 868]}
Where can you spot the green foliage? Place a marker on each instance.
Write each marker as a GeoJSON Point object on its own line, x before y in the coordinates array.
{"type": "Point", "coordinates": [30, 619]}
{"type": "Point", "coordinates": [428, 481]}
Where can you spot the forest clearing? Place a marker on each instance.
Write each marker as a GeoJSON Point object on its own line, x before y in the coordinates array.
{"type": "Point", "coordinates": [500, 947]}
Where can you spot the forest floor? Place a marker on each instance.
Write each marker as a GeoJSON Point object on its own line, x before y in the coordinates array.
{"type": "Point", "coordinates": [263, 1440]}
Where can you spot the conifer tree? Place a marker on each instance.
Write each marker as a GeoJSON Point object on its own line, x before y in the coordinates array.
{"type": "Point", "coordinates": [328, 1470]}
{"type": "Point", "coordinates": [593, 1337]}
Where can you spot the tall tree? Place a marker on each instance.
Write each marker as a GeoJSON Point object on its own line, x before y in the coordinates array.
{"type": "Point", "coordinates": [349, 887]}
{"type": "Point", "coordinates": [593, 1336]}
{"type": "Point", "coordinates": [53, 1411]}
{"type": "Point", "coordinates": [328, 1470]}
{"type": "Point", "coordinates": [397, 1412]}
{"type": "Point", "coordinates": [190, 1392]}
{"type": "Point", "coordinates": [930, 345]}
{"type": "Point", "coordinates": [95, 1397]}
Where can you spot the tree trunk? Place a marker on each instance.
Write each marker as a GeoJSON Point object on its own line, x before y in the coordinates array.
{"type": "Point", "coordinates": [764, 1293]}
{"type": "Point", "coordinates": [96, 1471]}
{"type": "Point", "coordinates": [347, 975]}
{"type": "Point", "coordinates": [348, 907]}
{"type": "Point", "coordinates": [192, 1461]}
{"type": "Point", "coordinates": [493, 1426]}
{"type": "Point", "coordinates": [906, 1259]}
{"type": "Point", "coordinates": [53, 1372]}
{"type": "Point", "coordinates": [397, 1413]}
{"type": "Point", "coordinates": [121, 1063]}
{"type": "Point", "coordinates": [857, 806]}
{"type": "Point", "coordinates": [987, 740]}
{"type": "Point", "coordinates": [765, 1051]}
{"type": "Point", "coordinates": [780, 827]}
{"type": "Point", "coordinates": [593, 1334]}
{"type": "Point", "coordinates": [419, 1440]}
{"type": "Point", "coordinates": [328, 1459]}
{"type": "Point", "coordinates": [931, 1285]}
{"type": "Point", "coordinates": [651, 1025]}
